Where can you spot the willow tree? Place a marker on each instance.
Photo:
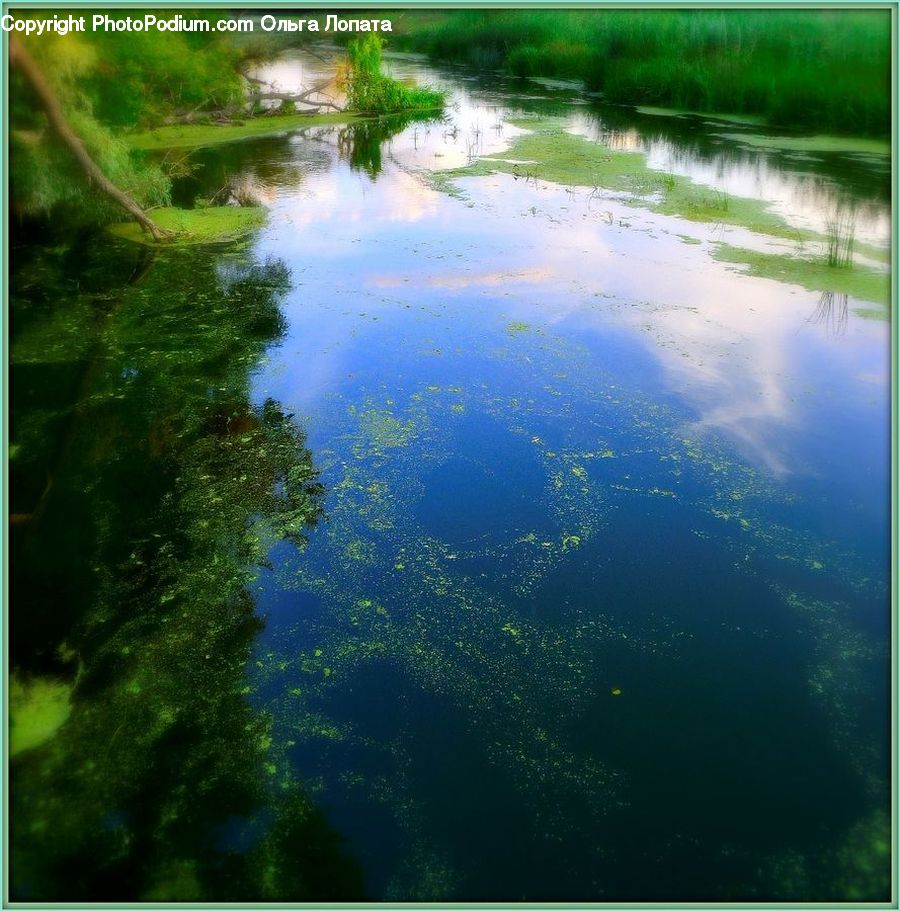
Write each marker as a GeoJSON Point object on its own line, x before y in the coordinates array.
{"type": "Point", "coordinates": [47, 98]}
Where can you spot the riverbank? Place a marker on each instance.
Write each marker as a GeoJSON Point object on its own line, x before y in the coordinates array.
{"type": "Point", "coordinates": [833, 67]}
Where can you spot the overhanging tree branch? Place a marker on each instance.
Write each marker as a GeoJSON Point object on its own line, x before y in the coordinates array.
{"type": "Point", "coordinates": [24, 62]}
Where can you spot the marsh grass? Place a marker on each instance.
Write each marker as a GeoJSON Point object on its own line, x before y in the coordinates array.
{"type": "Point", "coordinates": [840, 233]}
{"type": "Point", "coordinates": [369, 91]}
{"type": "Point", "coordinates": [822, 69]}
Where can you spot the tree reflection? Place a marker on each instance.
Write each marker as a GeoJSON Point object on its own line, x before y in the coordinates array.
{"type": "Point", "coordinates": [361, 144]}
{"type": "Point", "coordinates": [166, 487]}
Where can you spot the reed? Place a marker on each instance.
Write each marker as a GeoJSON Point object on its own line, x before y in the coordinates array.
{"type": "Point", "coordinates": [840, 230]}
{"type": "Point", "coordinates": [827, 70]}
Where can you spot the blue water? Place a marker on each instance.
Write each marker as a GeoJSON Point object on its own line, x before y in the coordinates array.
{"type": "Point", "coordinates": [597, 605]}
{"type": "Point", "coordinates": [600, 608]}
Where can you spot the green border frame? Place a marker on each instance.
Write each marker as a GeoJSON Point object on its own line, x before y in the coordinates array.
{"type": "Point", "coordinates": [892, 5]}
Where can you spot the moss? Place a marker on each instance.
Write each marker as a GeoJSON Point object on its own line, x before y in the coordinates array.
{"type": "Point", "coordinates": [849, 145]}
{"type": "Point", "coordinates": [38, 708]}
{"type": "Point", "coordinates": [204, 134]}
{"type": "Point", "coordinates": [214, 225]}
{"type": "Point", "coordinates": [863, 284]}
{"type": "Point", "coordinates": [565, 158]}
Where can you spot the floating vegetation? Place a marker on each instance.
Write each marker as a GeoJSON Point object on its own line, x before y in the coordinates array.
{"type": "Point", "coordinates": [179, 487]}
{"type": "Point", "coordinates": [210, 225]}
{"type": "Point", "coordinates": [516, 328]}
{"type": "Point", "coordinates": [815, 275]}
{"type": "Point", "coordinates": [210, 134]}
{"type": "Point", "coordinates": [572, 160]}
{"type": "Point", "coordinates": [38, 708]}
{"type": "Point", "coordinates": [846, 145]}
{"type": "Point", "coordinates": [460, 627]}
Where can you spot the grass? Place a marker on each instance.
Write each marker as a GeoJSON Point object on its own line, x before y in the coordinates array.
{"type": "Point", "coordinates": [840, 230]}
{"type": "Point", "coordinates": [206, 134]}
{"type": "Point", "coordinates": [827, 70]}
{"type": "Point", "coordinates": [216, 224]}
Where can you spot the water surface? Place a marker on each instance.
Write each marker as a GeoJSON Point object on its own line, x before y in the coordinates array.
{"type": "Point", "coordinates": [486, 544]}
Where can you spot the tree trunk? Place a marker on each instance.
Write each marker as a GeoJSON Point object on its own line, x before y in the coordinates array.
{"type": "Point", "coordinates": [20, 58]}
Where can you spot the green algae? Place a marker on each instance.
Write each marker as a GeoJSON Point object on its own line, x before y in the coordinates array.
{"type": "Point", "coordinates": [859, 282]}
{"type": "Point", "coordinates": [749, 119]}
{"type": "Point", "coordinates": [212, 225]}
{"type": "Point", "coordinates": [439, 626]}
{"type": "Point", "coordinates": [558, 156]}
{"type": "Point", "coordinates": [856, 869]}
{"type": "Point", "coordinates": [195, 135]}
{"type": "Point", "coordinates": [516, 328]}
{"type": "Point", "coordinates": [871, 251]}
{"type": "Point", "coordinates": [38, 708]}
{"type": "Point", "coordinates": [880, 315]}
{"type": "Point", "coordinates": [850, 145]}
{"type": "Point", "coordinates": [521, 683]}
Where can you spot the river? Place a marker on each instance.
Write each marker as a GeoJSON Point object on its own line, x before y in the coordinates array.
{"type": "Point", "coordinates": [483, 538]}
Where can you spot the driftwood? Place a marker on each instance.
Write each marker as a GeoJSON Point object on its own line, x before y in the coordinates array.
{"type": "Point", "coordinates": [227, 116]}
{"type": "Point", "coordinates": [25, 64]}
{"type": "Point", "coordinates": [273, 94]}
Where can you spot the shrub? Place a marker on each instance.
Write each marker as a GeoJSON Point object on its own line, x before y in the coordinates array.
{"type": "Point", "coordinates": [369, 91]}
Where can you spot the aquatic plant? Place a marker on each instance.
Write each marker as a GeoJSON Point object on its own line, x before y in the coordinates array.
{"type": "Point", "coordinates": [840, 231]}
{"type": "Point", "coordinates": [369, 91]}
{"type": "Point", "coordinates": [823, 69]}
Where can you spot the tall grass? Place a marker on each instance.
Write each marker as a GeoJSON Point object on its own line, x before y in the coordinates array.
{"type": "Point", "coordinates": [840, 229]}
{"type": "Point", "coordinates": [827, 70]}
{"type": "Point", "coordinates": [369, 91]}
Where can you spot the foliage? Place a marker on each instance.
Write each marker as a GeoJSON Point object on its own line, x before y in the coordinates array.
{"type": "Point", "coordinates": [137, 78]}
{"type": "Point", "coordinates": [369, 91]}
{"type": "Point", "coordinates": [47, 178]}
{"type": "Point", "coordinates": [822, 69]}
{"type": "Point", "coordinates": [144, 77]}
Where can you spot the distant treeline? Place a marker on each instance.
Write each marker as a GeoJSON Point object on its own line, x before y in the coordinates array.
{"type": "Point", "coordinates": [826, 70]}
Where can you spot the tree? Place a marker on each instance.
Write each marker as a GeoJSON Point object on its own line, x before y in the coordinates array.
{"type": "Point", "coordinates": [22, 60]}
